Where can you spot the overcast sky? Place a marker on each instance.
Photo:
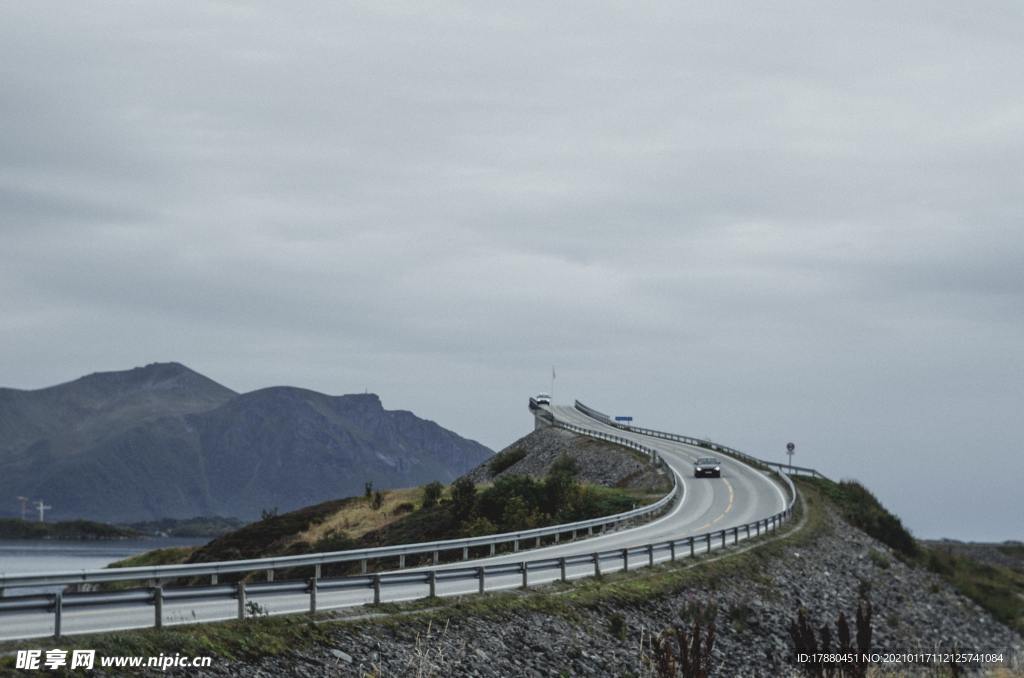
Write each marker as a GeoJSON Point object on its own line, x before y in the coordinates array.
{"type": "Point", "coordinates": [757, 223]}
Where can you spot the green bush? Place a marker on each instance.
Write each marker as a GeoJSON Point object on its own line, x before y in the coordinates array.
{"type": "Point", "coordinates": [463, 499]}
{"type": "Point", "coordinates": [432, 494]}
{"type": "Point", "coordinates": [503, 460]}
{"type": "Point", "coordinates": [617, 625]}
{"type": "Point", "coordinates": [879, 559]}
{"type": "Point", "coordinates": [333, 541]}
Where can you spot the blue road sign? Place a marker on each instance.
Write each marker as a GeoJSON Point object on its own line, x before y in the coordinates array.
{"type": "Point", "coordinates": [623, 418]}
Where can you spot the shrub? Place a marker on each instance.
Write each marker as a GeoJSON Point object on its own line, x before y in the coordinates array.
{"type": "Point", "coordinates": [690, 653]}
{"type": "Point", "coordinates": [879, 559]}
{"type": "Point", "coordinates": [432, 494]}
{"type": "Point", "coordinates": [564, 465]}
{"type": "Point", "coordinates": [463, 499]}
{"type": "Point", "coordinates": [334, 541]}
{"type": "Point", "coordinates": [739, 615]}
{"type": "Point", "coordinates": [617, 625]}
{"type": "Point", "coordinates": [805, 641]}
{"type": "Point", "coordinates": [503, 460]}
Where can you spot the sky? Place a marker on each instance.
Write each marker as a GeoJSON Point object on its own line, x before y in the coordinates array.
{"type": "Point", "coordinates": [800, 222]}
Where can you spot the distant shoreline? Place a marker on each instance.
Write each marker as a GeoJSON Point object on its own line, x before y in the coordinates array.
{"type": "Point", "coordinates": [73, 530]}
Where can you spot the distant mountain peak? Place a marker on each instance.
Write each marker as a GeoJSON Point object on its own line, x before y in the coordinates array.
{"type": "Point", "coordinates": [163, 440]}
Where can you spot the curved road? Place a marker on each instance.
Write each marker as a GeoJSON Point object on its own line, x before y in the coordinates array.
{"type": "Point", "coordinates": [742, 495]}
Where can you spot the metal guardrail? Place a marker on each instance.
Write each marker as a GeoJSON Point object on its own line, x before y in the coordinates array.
{"type": "Point", "coordinates": [699, 442]}
{"type": "Point", "coordinates": [213, 570]}
{"type": "Point", "coordinates": [377, 583]}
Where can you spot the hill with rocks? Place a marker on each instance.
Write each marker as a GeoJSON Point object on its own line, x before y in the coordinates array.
{"type": "Point", "coordinates": [598, 462]}
{"type": "Point", "coordinates": [163, 441]}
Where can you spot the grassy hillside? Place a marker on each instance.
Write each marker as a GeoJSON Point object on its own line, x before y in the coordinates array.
{"type": "Point", "coordinates": [998, 589]}
{"type": "Point", "coordinates": [428, 513]}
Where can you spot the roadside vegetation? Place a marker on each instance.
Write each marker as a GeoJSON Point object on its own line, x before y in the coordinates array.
{"type": "Point", "coordinates": [167, 556]}
{"type": "Point", "coordinates": [428, 513]}
{"type": "Point", "coordinates": [998, 589]}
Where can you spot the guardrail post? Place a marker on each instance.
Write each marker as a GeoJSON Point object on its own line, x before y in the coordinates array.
{"type": "Point", "coordinates": [557, 535]}
{"type": "Point", "coordinates": [597, 564]}
{"type": "Point", "coordinates": [401, 562]}
{"type": "Point", "coordinates": [432, 580]}
{"type": "Point", "coordinates": [465, 553]}
{"type": "Point", "coordinates": [376, 589]}
{"type": "Point", "coordinates": [523, 566]}
{"type": "Point", "coordinates": [240, 594]}
{"type": "Point", "coordinates": [590, 530]}
{"type": "Point", "coordinates": [158, 607]}
{"type": "Point", "coordinates": [437, 555]}
{"type": "Point", "coordinates": [691, 547]}
{"type": "Point", "coordinates": [561, 568]}
{"type": "Point", "coordinates": [270, 575]}
{"type": "Point", "coordinates": [362, 565]}
{"type": "Point", "coordinates": [481, 575]}
{"type": "Point", "coordinates": [757, 529]}
{"type": "Point", "coordinates": [650, 555]}
{"type": "Point", "coordinates": [538, 542]}
{"type": "Point", "coordinates": [316, 571]}
{"type": "Point", "coordinates": [625, 560]}
{"type": "Point", "coordinates": [735, 536]}
{"type": "Point", "coordinates": [672, 551]}
{"type": "Point", "coordinates": [312, 595]}
{"type": "Point", "coordinates": [747, 529]}
{"type": "Point", "coordinates": [708, 537]}
{"type": "Point", "coordinates": [493, 547]}
{"type": "Point", "coordinates": [58, 605]}
{"type": "Point", "coordinates": [213, 579]}
{"type": "Point", "coordinates": [723, 539]}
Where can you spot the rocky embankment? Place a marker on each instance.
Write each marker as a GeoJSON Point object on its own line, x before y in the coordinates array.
{"type": "Point", "coordinates": [598, 462]}
{"type": "Point", "coordinates": [825, 569]}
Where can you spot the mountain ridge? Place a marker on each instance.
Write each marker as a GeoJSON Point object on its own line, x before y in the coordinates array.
{"type": "Point", "coordinates": [163, 441]}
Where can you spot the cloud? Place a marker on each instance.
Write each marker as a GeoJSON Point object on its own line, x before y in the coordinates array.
{"type": "Point", "coordinates": [761, 223]}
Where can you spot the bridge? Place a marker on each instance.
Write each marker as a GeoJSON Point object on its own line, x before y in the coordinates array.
{"type": "Point", "coordinates": [750, 500]}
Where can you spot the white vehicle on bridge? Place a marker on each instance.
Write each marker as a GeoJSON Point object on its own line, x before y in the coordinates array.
{"type": "Point", "coordinates": [543, 399]}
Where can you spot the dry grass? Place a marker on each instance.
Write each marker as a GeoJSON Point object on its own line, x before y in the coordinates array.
{"type": "Point", "coordinates": [355, 521]}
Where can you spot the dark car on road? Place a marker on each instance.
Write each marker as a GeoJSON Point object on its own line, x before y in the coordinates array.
{"type": "Point", "coordinates": [708, 466]}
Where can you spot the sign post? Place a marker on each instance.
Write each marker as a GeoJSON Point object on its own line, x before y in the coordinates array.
{"type": "Point", "coordinates": [790, 447]}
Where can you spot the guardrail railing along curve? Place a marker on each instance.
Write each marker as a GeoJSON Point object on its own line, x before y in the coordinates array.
{"type": "Point", "coordinates": [375, 585]}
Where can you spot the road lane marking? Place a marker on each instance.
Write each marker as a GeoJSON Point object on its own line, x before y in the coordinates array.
{"type": "Point", "coordinates": [732, 497]}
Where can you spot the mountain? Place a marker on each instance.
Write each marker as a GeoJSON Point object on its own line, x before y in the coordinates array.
{"type": "Point", "coordinates": [163, 441]}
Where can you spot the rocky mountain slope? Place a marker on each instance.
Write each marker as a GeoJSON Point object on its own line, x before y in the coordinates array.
{"type": "Point", "coordinates": [598, 462]}
{"type": "Point", "coordinates": [164, 441]}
